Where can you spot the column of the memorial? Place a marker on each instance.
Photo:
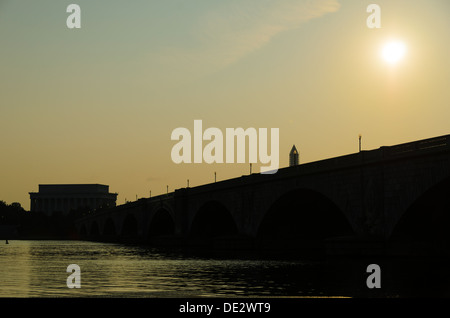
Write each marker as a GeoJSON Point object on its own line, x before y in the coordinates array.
{"type": "Point", "coordinates": [33, 204]}
{"type": "Point", "coordinates": [46, 205]}
{"type": "Point", "coordinates": [39, 204]}
{"type": "Point", "coordinates": [52, 205]}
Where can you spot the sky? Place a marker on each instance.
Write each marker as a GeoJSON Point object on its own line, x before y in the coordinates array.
{"type": "Point", "coordinates": [98, 104]}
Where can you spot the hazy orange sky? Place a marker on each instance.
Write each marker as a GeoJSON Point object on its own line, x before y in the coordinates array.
{"type": "Point", "coordinates": [98, 104]}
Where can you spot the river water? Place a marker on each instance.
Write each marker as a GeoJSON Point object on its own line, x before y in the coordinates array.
{"type": "Point", "coordinates": [39, 269]}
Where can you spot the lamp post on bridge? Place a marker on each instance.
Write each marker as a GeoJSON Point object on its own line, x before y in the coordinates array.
{"type": "Point", "coordinates": [359, 136]}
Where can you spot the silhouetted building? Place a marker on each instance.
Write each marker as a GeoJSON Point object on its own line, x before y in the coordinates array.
{"type": "Point", "coordinates": [293, 157]}
{"type": "Point", "coordinates": [66, 197]}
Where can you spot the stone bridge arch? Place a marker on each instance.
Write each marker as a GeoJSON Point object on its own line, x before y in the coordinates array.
{"type": "Point", "coordinates": [129, 231]}
{"type": "Point", "coordinates": [342, 197]}
{"type": "Point", "coordinates": [162, 223]}
{"type": "Point", "coordinates": [420, 181]}
{"type": "Point", "coordinates": [424, 225]}
{"type": "Point", "coordinates": [301, 216]}
{"type": "Point", "coordinates": [110, 232]}
{"type": "Point", "coordinates": [213, 220]}
{"type": "Point", "coordinates": [82, 231]}
{"type": "Point", "coordinates": [94, 230]}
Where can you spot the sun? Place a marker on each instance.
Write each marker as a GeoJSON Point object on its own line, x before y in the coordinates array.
{"type": "Point", "coordinates": [394, 52]}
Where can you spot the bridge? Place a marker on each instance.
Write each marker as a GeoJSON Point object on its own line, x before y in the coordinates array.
{"type": "Point", "coordinates": [394, 199]}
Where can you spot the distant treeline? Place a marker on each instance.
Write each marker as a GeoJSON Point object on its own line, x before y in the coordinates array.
{"type": "Point", "coordinates": [36, 225]}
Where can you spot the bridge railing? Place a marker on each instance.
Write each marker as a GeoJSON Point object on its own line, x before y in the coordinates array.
{"type": "Point", "coordinates": [372, 156]}
{"type": "Point", "coordinates": [365, 157]}
{"type": "Point", "coordinates": [420, 146]}
{"type": "Point", "coordinates": [349, 161]}
{"type": "Point", "coordinates": [128, 205]}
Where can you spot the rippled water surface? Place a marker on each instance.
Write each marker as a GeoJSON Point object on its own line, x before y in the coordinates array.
{"type": "Point", "coordinates": [38, 269]}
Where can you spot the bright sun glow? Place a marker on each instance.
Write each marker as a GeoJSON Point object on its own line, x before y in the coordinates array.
{"type": "Point", "coordinates": [393, 52]}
